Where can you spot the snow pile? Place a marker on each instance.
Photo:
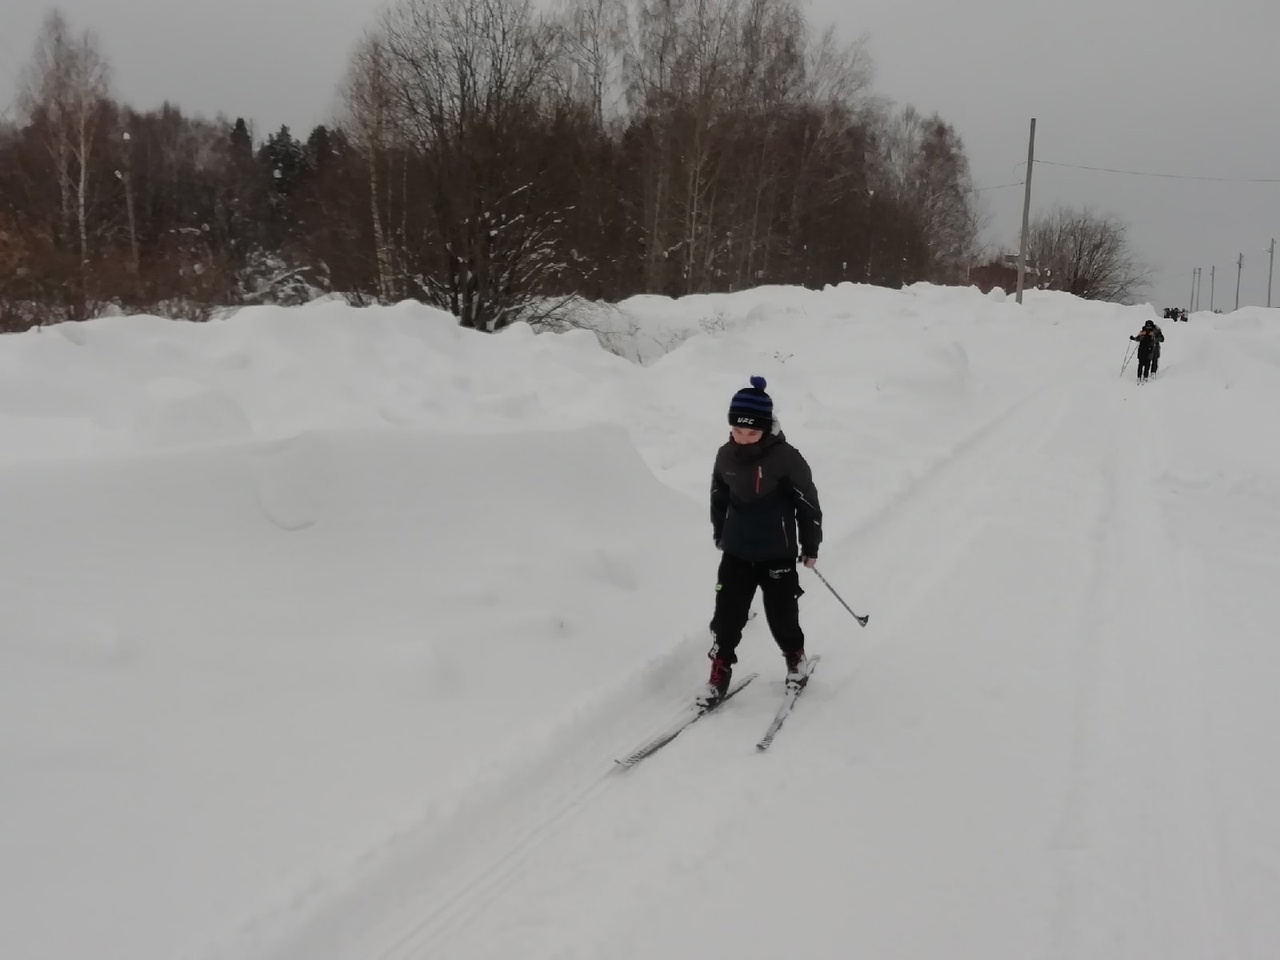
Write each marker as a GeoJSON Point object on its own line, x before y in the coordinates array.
{"type": "Point", "coordinates": [322, 628]}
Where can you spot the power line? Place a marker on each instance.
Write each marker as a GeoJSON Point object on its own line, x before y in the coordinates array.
{"type": "Point", "coordinates": [1165, 176]}
{"type": "Point", "coordinates": [1001, 186]}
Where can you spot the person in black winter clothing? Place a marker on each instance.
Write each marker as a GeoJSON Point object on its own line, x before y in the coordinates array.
{"type": "Point", "coordinates": [1149, 339]}
{"type": "Point", "coordinates": [764, 513]}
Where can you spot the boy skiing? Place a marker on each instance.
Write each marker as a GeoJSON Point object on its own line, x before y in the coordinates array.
{"type": "Point", "coordinates": [1149, 339]}
{"type": "Point", "coordinates": [764, 511]}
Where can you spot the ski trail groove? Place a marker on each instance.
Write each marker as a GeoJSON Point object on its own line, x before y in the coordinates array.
{"type": "Point", "coordinates": [415, 902]}
{"type": "Point", "coordinates": [973, 463]}
{"type": "Point", "coordinates": [1139, 852]}
{"type": "Point", "coordinates": [1190, 830]}
{"type": "Point", "coordinates": [397, 901]}
{"type": "Point", "coordinates": [1072, 837]}
{"type": "Point", "coordinates": [928, 529]}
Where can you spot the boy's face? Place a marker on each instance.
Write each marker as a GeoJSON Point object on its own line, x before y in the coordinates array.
{"type": "Point", "coordinates": [745, 435]}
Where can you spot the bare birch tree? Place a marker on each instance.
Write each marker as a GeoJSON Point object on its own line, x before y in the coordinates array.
{"type": "Point", "coordinates": [1087, 254]}
{"type": "Point", "coordinates": [923, 165]}
{"type": "Point", "coordinates": [653, 48]}
{"type": "Point", "coordinates": [594, 37]}
{"type": "Point", "coordinates": [66, 86]}
{"type": "Point", "coordinates": [470, 79]}
{"type": "Point", "coordinates": [367, 96]}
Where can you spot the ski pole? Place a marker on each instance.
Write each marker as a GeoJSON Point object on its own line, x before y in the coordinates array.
{"type": "Point", "coordinates": [862, 621]}
{"type": "Point", "coordinates": [1128, 355]}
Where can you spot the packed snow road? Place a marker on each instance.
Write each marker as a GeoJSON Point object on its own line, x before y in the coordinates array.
{"type": "Point", "coordinates": [342, 618]}
{"type": "Point", "coordinates": [1015, 761]}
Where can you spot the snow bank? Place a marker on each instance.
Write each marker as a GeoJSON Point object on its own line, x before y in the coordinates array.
{"type": "Point", "coordinates": [322, 625]}
{"type": "Point", "coordinates": [218, 663]}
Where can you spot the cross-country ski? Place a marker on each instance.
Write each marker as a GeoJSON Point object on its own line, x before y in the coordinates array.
{"type": "Point", "coordinates": [793, 691]}
{"type": "Point", "coordinates": [691, 715]}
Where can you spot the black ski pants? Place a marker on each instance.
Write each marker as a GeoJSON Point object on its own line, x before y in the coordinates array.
{"type": "Point", "coordinates": [736, 583]}
{"type": "Point", "coordinates": [1144, 362]}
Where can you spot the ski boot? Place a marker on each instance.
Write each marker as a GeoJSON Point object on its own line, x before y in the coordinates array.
{"type": "Point", "coordinates": [717, 686]}
{"type": "Point", "coordinates": [797, 670]}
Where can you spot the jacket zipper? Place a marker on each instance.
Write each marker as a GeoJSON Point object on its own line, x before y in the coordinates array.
{"type": "Point", "coordinates": [759, 477]}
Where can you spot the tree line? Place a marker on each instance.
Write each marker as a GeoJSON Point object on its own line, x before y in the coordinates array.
{"type": "Point", "coordinates": [491, 160]}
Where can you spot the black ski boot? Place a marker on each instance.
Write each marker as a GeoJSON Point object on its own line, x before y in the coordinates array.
{"type": "Point", "coordinates": [717, 686]}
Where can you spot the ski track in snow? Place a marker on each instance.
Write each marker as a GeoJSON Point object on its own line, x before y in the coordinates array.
{"type": "Point", "coordinates": [1137, 850]}
{"type": "Point", "coordinates": [1044, 745]}
{"type": "Point", "coordinates": [1140, 821]}
{"type": "Point", "coordinates": [407, 908]}
{"type": "Point", "coordinates": [399, 903]}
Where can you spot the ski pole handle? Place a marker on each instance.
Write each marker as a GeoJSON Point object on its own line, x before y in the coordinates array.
{"type": "Point", "coordinates": [862, 621]}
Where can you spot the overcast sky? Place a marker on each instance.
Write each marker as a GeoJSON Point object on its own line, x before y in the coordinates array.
{"type": "Point", "coordinates": [1152, 86]}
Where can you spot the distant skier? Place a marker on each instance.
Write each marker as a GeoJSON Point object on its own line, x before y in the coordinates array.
{"type": "Point", "coordinates": [1149, 339]}
{"type": "Point", "coordinates": [1158, 335]}
{"type": "Point", "coordinates": [764, 511]}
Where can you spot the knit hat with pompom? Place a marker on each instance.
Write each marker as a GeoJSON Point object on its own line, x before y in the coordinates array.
{"type": "Point", "coordinates": [751, 407]}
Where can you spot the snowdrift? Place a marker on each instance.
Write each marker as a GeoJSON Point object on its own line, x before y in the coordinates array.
{"type": "Point", "coordinates": [322, 626]}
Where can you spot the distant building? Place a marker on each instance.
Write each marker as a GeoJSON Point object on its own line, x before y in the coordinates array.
{"type": "Point", "coordinates": [1003, 273]}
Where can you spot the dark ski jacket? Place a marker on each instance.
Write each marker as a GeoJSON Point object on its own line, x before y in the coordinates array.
{"type": "Point", "coordinates": [764, 505]}
{"type": "Point", "coordinates": [1149, 341]}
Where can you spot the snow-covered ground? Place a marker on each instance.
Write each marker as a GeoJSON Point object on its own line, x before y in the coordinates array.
{"type": "Point", "coordinates": [320, 630]}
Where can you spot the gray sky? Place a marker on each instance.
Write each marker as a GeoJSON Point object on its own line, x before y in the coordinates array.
{"type": "Point", "coordinates": [1154, 86]}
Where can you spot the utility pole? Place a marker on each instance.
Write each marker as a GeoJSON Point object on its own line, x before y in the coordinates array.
{"type": "Point", "coordinates": [1191, 304]}
{"type": "Point", "coordinates": [1211, 270]}
{"type": "Point", "coordinates": [126, 177]}
{"type": "Point", "coordinates": [1026, 211]}
{"type": "Point", "coordinates": [1239, 268]}
{"type": "Point", "coordinates": [1271, 269]}
{"type": "Point", "coordinates": [128, 194]}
